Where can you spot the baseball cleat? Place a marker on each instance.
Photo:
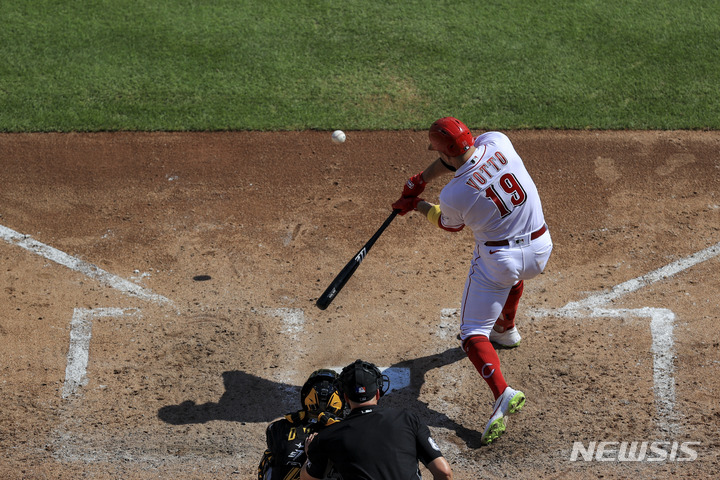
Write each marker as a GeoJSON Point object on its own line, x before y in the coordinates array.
{"type": "Point", "coordinates": [508, 339]}
{"type": "Point", "coordinates": [511, 401]}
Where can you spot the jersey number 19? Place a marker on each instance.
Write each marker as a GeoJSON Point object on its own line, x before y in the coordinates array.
{"type": "Point", "coordinates": [513, 190]}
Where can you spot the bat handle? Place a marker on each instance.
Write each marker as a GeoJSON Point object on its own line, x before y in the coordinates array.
{"type": "Point", "coordinates": [339, 282]}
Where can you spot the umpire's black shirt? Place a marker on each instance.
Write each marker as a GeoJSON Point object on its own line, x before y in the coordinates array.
{"type": "Point", "coordinates": [373, 443]}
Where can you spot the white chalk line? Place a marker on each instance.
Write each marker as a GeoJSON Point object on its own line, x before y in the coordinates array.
{"type": "Point", "coordinates": [292, 324]}
{"type": "Point", "coordinates": [637, 283]}
{"type": "Point", "coordinates": [88, 269]}
{"type": "Point", "coordinates": [662, 323]}
{"type": "Point", "coordinates": [292, 320]}
{"type": "Point", "coordinates": [79, 350]}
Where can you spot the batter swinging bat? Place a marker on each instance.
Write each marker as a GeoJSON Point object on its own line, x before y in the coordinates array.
{"type": "Point", "coordinates": [347, 271]}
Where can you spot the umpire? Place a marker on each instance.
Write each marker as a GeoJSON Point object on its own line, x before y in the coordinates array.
{"type": "Point", "coordinates": [372, 442]}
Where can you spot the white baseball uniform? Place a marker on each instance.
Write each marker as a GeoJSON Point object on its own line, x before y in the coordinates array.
{"type": "Point", "coordinates": [493, 194]}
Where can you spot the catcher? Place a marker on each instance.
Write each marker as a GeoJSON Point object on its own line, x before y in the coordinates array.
{"type": "Point", "coordinates": [322, 405]}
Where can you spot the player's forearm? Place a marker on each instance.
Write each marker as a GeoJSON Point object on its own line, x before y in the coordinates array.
{"type": "Point", "coordinates": [440, 469]}
{"type": "Point", "coordinates": [434, 216]}
{"type": "Point", "coordinates": [424, 207]}
{"type": "Point", "coordinates": [431, 212]}
{"type": "Point", "coordinates": [435, 170]}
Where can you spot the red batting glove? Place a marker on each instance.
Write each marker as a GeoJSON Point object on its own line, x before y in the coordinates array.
{"type": "Point", "coordinates": [414, 186]}
{"type": "Point", "coordinates": [406, 204]}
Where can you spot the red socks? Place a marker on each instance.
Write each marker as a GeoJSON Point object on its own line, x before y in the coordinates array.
{"type": "Point", "coordinates": [483, 355]}
{"type": "Point", "coordinates": [481, 352]}
{"type": "Point", "coordinates": [507, 317]}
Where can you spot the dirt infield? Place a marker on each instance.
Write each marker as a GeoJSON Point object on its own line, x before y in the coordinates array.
{"type": "Point", "coordinates": [158, 298]}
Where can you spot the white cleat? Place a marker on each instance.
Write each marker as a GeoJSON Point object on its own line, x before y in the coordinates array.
{"type": "Point", "coordinates": [507, 339]}
{"type": "Point", "coordinates": [511, 401]}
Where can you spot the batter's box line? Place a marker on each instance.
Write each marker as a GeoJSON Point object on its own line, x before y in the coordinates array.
{"type": "Point", "coordinates": [293, 324]}
{"type": "Point", "coordinates": [79, 349]}
{"type": "Point", "coordinates": [662, 324]}
{"type": "Point", "coordinates": [73, 263]}
{"type": "Point", "coordinates": [635, 284]}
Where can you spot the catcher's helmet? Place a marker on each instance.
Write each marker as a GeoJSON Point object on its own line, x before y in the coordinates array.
{"type": "Point", "coordinates": [361, 380]}
{"type": "Point", "coordinates": [450, 136]}
{"type": "Point", "coordinates": [320, 393]}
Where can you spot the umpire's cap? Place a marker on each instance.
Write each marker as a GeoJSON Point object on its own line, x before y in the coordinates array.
{"type": "Point", "coordinates": [361, 380]}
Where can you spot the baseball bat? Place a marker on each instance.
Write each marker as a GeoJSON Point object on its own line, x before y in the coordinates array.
{"type": "Point", "coordinates": [339, 282]}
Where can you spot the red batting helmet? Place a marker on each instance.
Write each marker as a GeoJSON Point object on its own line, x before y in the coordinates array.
{"type": "Point", "coordinates": [450, 136]}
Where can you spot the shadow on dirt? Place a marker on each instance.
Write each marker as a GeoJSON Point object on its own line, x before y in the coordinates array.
{"type": "Point", "coordinates": [409, 397]}
{"type": "Point", "coordinates": [246, 399]}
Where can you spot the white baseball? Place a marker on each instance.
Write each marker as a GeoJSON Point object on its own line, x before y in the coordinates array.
{"type": "Point", "coordinates": [338, 136]}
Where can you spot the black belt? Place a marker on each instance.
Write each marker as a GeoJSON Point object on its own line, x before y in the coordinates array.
{"type": "Point", "coordinates": [505, 243]}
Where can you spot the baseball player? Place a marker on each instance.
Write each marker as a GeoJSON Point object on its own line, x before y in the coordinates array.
{"type": "Point", "coordinates": [373, 442]}
{"type": "Point", "coordinates": [492, 193]}
{"type": "Point", "coordinates": [322, 405]}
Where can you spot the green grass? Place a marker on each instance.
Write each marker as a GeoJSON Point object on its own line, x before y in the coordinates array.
{"type": "Point", "coordinates": [359, 64]}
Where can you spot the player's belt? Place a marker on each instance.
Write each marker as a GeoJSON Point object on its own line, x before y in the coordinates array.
{"type": "Point", "coordinates": [505, 243]}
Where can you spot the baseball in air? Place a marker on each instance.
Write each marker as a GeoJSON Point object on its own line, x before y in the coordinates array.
{"type": "Point", "coordinates": [338, 136]}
